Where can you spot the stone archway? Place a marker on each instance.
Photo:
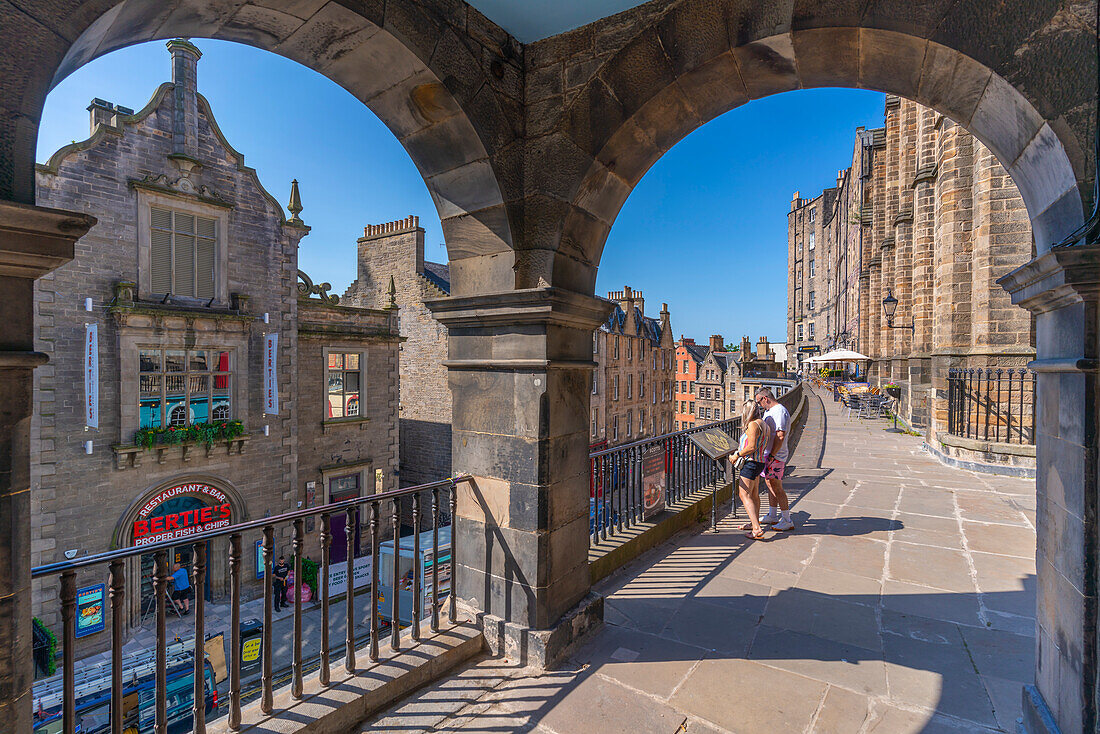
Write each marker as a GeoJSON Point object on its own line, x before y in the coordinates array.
{"type": "Point", "coordinates": [414, 67]}
{"type": "Point", "coordinates": [529, 153]}
{"type": "Point", "coordinates": [626, 123]}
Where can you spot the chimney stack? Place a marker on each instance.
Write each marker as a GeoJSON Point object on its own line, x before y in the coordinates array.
{"type": "Point", "coordinates": [762, 348]}
{"type": "Point", "coordinates": [185, 119]}
{"type": "Point", "coordinates": [716, 343]}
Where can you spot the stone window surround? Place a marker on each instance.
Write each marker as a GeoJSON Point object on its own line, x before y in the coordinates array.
{"type": "Point", "coordinates": [363, 468]}
{"type": "Point", "coordinates": [147, 199]}
{"type": "Point", "coordinates": [175, 331]}
{"type": "Point", "coordinates": [345, 348]}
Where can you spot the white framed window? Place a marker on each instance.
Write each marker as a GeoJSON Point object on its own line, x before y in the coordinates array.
{"type": "Point", "coordinates": [812, 299]}
{"type": "Point", "coordinates": [615, 388]}
{"type": "Point", "coordinates": [616, 346]}
{"type": "Point", "coordinates": [641, 386]}
{"type": "Point", "coordinates": [181, 387]}
{"type": "Point", "coordinates": [629, 423]}
{"type": "Point", "coordinates": [615, 428]}
{"type": "Point", "coordinates": [630, 350]}
{"type": "Point", "coordinates": [813, 214]}
{"type": "Point", "coordinates": [811, 240]}
{"type": "Point", "coordinates": [800, 332]}
{"type": "Point", "coordinates": [596, 342]}
{"type": "Point", "coordinates": [811, 331]}
{"type": "Point", "coordinates": [595, 422]}
{"type": "Point", "coordinates": [629, 386]}
{"type": "Point", "coordinates": [595, 383]}
{"type": "Point", "coordinates": [813, 270]}
{"type": "Point", "coordinates": [641, 422]}
{"type": "Point", "coordinates": [344, 383]}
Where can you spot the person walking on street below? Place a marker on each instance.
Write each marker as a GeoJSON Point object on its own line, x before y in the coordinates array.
{"type": "Point", "coordinates": [181, 587]}
{"type": "Point", "coordinates": [280, 572]}
{"type": "Point", "coordinates": [778, 419]}
{"type": "Point", "coordinates": [755, 439]}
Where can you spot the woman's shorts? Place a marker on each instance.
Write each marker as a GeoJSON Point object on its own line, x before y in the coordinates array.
{"type": "Point", "coordinates": [751, 469]}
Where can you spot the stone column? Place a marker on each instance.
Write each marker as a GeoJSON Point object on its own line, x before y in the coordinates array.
{"type": "Point", "coordinates": [924, 227]}
{"type": "Point", "coordinates": [520, 369]}
{"type": "Point", "coordinates": [953, 266]}
{"type": "Point", "coordinates": [1062, 289]}
{"type": "Point", "coordinates": [33, 241]}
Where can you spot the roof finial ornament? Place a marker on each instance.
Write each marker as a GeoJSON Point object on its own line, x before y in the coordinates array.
{"type": "Point", "coordinates": [393, 294]}
{"type": "Point", "coordinates": [295, 205]}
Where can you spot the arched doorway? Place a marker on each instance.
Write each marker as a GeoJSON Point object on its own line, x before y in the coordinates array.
{"type": "Point", "coordinates": [175, 510]}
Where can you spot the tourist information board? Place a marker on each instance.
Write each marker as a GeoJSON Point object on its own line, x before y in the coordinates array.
{"type": "Point", "coordinates": [714, 442]}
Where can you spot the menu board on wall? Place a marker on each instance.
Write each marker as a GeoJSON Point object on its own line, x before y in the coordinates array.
{"type": "Point", "coordinates": [90, 617]}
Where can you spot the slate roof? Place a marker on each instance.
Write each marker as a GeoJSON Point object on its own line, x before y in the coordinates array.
{"type": "Point", "coordinates": [698, 352]}
{"type": "Point", "coordinates": [439, 274]}
{"type": "Point", "coordinates": [648, 327]}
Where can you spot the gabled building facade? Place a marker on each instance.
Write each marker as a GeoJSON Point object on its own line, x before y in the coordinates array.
{"type": "Point", "coordinates": [197, 378]}
{"type": "Point", "coordinates": [632, 386]}
{"type": "Point", "coordinates": [689, 356]}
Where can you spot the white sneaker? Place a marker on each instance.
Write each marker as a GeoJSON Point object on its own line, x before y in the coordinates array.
{"type": "Point", "coordinates": [769, 519]}
{"type": "Point", "coordinates": [783, 525]}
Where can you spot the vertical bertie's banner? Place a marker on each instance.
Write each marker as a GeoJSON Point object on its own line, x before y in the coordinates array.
{"type": "Point", "coordinates": [271, 376]}
{"type": "Point", "coordinates": [91, 375]}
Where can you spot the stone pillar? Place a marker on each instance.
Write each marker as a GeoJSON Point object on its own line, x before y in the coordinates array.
{"type": "Point", "coordinates": [924, 229]}
{"type": "Point", "coordinates": [953, 266]}
{"type": "Point", "coordinates": [1062, 289]}
{"type": "Point", "coordinates": [33, 241]}
{"type": "Point", "coordinates": [520, 369]}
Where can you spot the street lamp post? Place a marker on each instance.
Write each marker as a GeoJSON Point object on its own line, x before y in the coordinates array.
{"type": "Point", "coordinates": [889, 306]}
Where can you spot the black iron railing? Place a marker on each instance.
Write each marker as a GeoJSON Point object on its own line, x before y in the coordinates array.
{"type": "Point", "coordinates": [995, 405]}
{"type": "Point", "coordinates": [395, 501]}
{"type": "Point", "coordinates": [616, 484]}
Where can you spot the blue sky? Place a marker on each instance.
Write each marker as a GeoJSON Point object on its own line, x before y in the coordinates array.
{"type": "Point", "coordinates": [704, 231]}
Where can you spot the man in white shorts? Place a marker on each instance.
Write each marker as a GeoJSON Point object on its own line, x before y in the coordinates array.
{"type": "Point", "coordinates": [778, 419]}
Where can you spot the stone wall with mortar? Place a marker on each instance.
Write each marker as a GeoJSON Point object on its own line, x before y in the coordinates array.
{"type": "Point", "coordinates": [396, 250]}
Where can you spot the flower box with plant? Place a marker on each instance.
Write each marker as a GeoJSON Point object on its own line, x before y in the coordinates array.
{"type": "Point", "coordinates": [198, 433]}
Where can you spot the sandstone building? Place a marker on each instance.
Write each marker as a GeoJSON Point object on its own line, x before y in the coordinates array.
{"type": "Point", "coordinates": [391, 270]}
{"type": "Point", "coordinates": [925, 214]}
{"type": "Point", "coordinates": [632, 388]}
{"type": "Point", "coordinates": [225, 385]}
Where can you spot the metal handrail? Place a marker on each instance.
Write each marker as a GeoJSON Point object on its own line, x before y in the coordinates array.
{"type": "Point", "coordinates": [663, 436]}
{"type": "Point", "coordinates": [616, 479]}
{"type": "Point", "coordinates": [115, 559]}
{"type": "Point", "coordinates": [51, 569]}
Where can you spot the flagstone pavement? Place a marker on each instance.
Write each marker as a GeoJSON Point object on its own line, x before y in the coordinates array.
{"type": "Point", "coordinates": [903, 602]}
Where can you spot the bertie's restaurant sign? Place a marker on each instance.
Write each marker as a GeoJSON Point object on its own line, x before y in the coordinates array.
{"type": "Point", "coordinates": [153, 529]}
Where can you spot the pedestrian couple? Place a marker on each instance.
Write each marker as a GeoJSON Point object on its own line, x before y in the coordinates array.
{"type": "Point", "coordinates": [764, 428]}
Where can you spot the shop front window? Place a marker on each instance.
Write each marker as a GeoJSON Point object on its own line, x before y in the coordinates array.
{"type": "Point", "coordinates": [344, 384]}
{"type": "Point", "coordinates": [179, 387]}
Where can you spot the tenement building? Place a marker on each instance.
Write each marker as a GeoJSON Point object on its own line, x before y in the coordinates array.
{"type": "Point", "coordinates": [391, 270]}
{"type": "Point", "coordinates": [689, 356]}
{"type": "Point", "coordinates": [632, 390]}
{"type": "Point", "coordinates": [925, 220]}
{"type": "Point", "coordinates": [196, 378]}
{"type": "Point", "coordinates": [751, 369]}
{"type": "Point", "coordinates": [710, 384]}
